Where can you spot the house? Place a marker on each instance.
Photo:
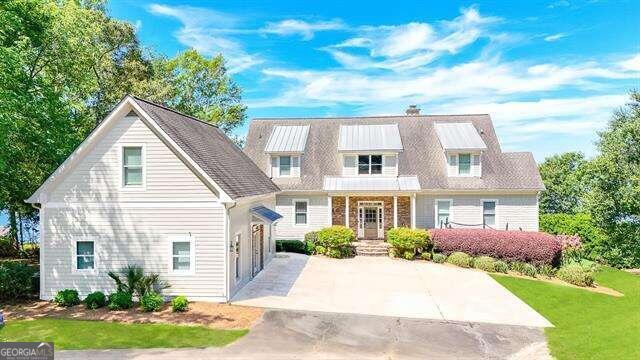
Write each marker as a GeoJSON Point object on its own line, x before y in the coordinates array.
{"type": "Point", "coordinates": [375, 173]}
{"type": "Point", "coordinates": [153, 187]}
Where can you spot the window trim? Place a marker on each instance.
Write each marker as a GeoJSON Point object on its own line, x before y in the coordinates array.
{"type": "Point", "coordinates": [495, 212]}
{"type": "Point", "coordinates": [74, 257]}
{"type": "Point", "coordinates": [436, 224]}
{"type": "Point", "coordinates": [291, 167]}
{"type": "Point", "coordinates": [192, 254]}
{"type": "Point", "coordinates": [143, 154]}
{"type": "Point", "coordinates": [293, 202]}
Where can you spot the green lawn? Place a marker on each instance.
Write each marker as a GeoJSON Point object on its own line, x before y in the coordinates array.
{"type": "Point", "coordinates": [81, 334]}
{"type": "Point", "coordinates": [588, 325]}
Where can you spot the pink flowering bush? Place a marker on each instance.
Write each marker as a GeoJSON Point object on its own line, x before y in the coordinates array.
{"type": "Point", "coordinates": [571, 248]}
{"type": "Point", "coordinates": [533, 247]}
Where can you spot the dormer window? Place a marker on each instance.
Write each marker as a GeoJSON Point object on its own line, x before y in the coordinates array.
{"type": "Point", "coordinates": [369, 164]}
{"type": "Point", "coordinates": [464, 164]}
{"type": "Point", "coordinates": [285, 166]}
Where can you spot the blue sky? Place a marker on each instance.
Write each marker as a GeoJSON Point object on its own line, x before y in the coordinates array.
{"type": "Point", "coordinates": [549, 72]}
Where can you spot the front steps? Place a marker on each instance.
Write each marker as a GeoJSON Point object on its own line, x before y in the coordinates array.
{"type": "Point", "coordinates": [371, 248]}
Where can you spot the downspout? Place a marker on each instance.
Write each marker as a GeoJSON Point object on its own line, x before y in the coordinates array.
{"type": "Point", "coordinates": [227, 241]}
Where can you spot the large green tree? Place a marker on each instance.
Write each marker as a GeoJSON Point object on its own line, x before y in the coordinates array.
{"type": "Point", "coordinates": [64, 64]}
{"type": "Point", "coordinates": [614, 199]}
{"type": "Point", "coordinates": [564, 178]}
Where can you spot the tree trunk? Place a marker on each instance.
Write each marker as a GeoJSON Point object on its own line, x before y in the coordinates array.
{"type": "Point", "coordinates": [13, 230]}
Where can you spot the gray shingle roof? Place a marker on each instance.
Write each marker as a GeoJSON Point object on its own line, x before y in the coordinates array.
{"type": "Point", "coordinates": [213, 151]}
{"type": "Point", "coordinates": [423, 155]}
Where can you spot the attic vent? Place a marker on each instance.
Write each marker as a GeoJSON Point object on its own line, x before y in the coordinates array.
{"type": "Point", "coordinates": [413, 110]}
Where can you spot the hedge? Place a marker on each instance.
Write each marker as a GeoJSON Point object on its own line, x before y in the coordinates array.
{"type": "Point", "coordinates": [575, 224]}
{"type": "Point", "coordinates": [18, 280]}
{"type": "Point", "coordinates": [533, 247]}
{"type": "Point", "coordinates": [294, 246]}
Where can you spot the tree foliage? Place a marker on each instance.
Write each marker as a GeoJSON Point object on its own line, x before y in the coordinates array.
{"type": "Point", "coordinates": [64, 64]}
{"type": "Point", "coordinates": [614, 199]}
{"type": "Point", "coordinates": [564, 178]}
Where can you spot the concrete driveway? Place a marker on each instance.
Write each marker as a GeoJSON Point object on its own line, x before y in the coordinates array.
{"type": "Point", "coordinates": [382, 286]}
{"type": "Point", "coordinates": [283, 334]}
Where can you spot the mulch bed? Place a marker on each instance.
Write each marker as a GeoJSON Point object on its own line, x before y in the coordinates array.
{"type": "Point", "coordinates": [213, 315]}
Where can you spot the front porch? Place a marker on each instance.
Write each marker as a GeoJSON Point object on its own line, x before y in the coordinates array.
{"type": "Point", "coordinates": [371, 216]}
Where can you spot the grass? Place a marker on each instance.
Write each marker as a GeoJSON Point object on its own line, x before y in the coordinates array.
{"type": "Point", "coordinates": [83, 334]}
{"type": "Point", "coordinates": [588, 325]}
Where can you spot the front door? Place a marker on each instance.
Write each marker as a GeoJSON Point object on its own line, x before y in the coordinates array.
{"type": "Point", "coordinates": [370, 222]}
{"type": "Point", "coordinates": [257, 245]}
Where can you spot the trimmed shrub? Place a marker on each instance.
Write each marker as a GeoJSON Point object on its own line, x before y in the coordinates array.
{"type": "Point", "coordinates": [151, 302]}
{"type": "Point", "coordinates": [576, 274]}
{"type": "Point", "coordinates": [294, 246]}
{"type": "Point", "coordinates": [336, 240]}
{"type": "Point", "coordinates": [501, 266]}
{"type": "Point", "coordinates": [425, 256]}
{"type": "Point", "coordinates": [179, 304]}
{"type": "Point", "coordinates": [527, 246]}
{"type": "Point", "coordinates": [460, 259]}
{"type": "Point", "coordinates": [18, 280]}
{"type": "Point", "coordinates": [485, 263]}
{"type": "Point", "coordinates": [406, 240]}
{"type": "Point", "coordinates": [439, 258]}
{"type": "Point", "coordinates": [95, 300]}
{"type": "Point", "coordinates": [67, 297]}
{"type": "Point", "coordinates": [120, 300]}
{"type": "Point", "coordinates": [321, 249]}
{"type": "Point", "coordinates": [408, 255]}
{"type": "Point", "coordinates": [547, 270]}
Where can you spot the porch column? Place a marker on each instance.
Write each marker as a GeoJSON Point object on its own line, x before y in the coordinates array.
{"type": "Point", "coordinates": [330, 210]}
{"type": "Point", "coordinates": [413, 211]}
{"type": "Point", "coordinates": [395, 211]}
{"type": "Point", "coordinates": [346, 211]}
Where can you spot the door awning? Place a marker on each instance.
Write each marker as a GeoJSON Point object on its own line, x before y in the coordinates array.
{"type": "Point", "coordinates": [266, 214]}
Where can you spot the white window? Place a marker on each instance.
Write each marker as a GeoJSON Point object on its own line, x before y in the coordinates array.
{"type": "Point", "coordinates": [236, 247]}
{"type": "Point", "coordinates": [300, 207]}
{"type": "Point", "coordinates": [443, 212]}
{"type": "Point", "coordinates": [489, 212]}
{"type": "Point", "coordinates": [464, 164]}
{"type": "Point", "coordinates": [132, 167]}
{"type": "Point", "coordinates": [85, 255]}
{"type": "Point", "coordinates": [369, 164]}
{"type": "Point", "coordinates": [182, 254]}
{"type": "Point", "coordinates": [285, 165]}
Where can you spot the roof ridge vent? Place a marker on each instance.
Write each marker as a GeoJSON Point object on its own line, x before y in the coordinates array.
{"type": "Point", "coordinates": [413, 110]}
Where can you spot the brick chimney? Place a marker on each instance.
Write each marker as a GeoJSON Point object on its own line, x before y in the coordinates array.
{"type": "Point", "coordinates": [413, 110]}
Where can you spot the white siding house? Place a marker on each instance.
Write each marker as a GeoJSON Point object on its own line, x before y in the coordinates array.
{"type": "Point", "coordinates": [129, 196]}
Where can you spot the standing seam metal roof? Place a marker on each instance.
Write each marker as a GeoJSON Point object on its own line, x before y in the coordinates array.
{"type": "Point", "coordinates": [287, 139]}
{"type": "Point", "coordinates": [370, 138]}
{"type": "Point", "coordinates": [459, 136]}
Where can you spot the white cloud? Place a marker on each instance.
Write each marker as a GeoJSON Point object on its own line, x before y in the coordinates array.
{"type": "Point", "coordinates": [411, 45]}
{"type": "Point", "coordinates": [299, 27]}
{"type": "Point", "coordinates": [554, 37]}
{"type": "Point", "coordinates": [468, 80]}
{"type": "Point", "coordinates": [632, 64]}
{"type": "Point", "coordinates": [209, 32]}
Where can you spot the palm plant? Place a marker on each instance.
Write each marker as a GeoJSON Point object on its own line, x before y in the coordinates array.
{"type": "Point", "coordinates": [133, 280]}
